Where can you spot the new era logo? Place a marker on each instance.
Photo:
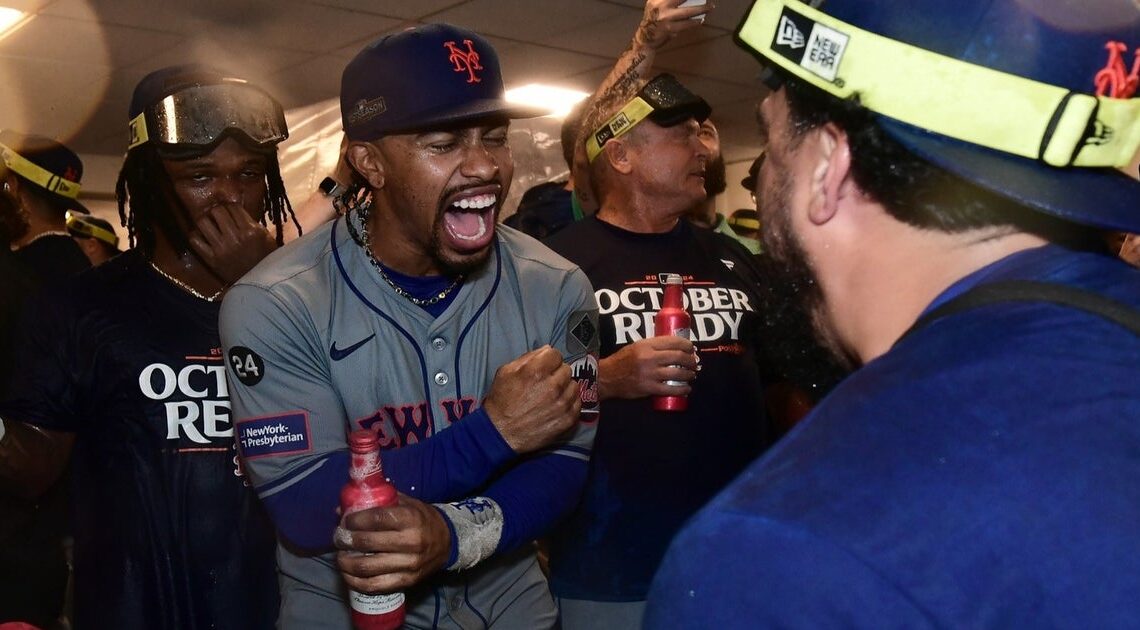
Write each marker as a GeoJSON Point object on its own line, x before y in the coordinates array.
{"type": "Point", "coordinates": [813, 46]}
{"type": "Point", "coordinates": [788, 35]}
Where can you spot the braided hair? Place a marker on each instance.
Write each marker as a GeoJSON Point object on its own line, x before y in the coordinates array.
{"type": "Point", "coordinates": [144, 190]}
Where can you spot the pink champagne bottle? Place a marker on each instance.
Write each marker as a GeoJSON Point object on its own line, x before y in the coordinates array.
{"type": "Point", "coordinates": [367, 488]}
{"type": "Point", "coordinates": [672, 320]}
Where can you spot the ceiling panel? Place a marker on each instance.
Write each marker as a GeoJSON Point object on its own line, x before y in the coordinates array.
{"type": "Point", "coordinates": [71, 69]}
{"type": "Point", "coordinates": [527, 20]}
{"type": "Point", "coordinates": [726, 14]}
{"type": "Point", "coordinates": [315, 80]}
{"type": "Point", "coordinates": [528, 63]}
{"type": "Point", "coordinates": [83, 43]}
{"type": "Point", "coordinates": [719, 58]}
{"type": "Point", "coordinates": [395, 8]}
{"type": "Point", "coordinates": [55, 98]}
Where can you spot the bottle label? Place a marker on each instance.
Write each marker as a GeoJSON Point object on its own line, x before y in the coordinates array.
{"type": "Point", "coordinates": [683, 333]}
{"type": "Point", "coordinates": [375, 604]}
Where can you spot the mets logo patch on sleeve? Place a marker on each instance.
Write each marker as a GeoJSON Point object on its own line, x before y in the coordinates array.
{"type": "Point", "coordinates": [285, 434]}
{"type": "Point", "coordinates": [585, 372]}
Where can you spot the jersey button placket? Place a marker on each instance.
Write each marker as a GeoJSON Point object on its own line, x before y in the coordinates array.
{"type": "Point", "coordinates": [441, 378]}
{"type": "Point", "coordinates": [439, 343]}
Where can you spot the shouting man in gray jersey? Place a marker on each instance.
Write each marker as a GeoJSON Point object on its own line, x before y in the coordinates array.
{"type": "Point", "coordinates": [415, 317]}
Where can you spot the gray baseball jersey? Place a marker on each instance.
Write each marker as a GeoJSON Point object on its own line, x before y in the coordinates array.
{"type": "Point", "coordinates": [319, 345]}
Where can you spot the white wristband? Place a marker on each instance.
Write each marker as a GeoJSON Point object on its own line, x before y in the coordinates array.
{"type": "Point", "coordinates": [478, 524]}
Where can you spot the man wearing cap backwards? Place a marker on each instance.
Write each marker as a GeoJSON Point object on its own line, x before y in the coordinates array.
{"type": "Point", "coordinates": [414, 316]}
{"type": "Point", "coordinates": [123, 367]}
{"type": "Point", "coordinates": [979, 469]}
{"type": "Point", "coordinates": [94, 236]}
{"type": "Point", "coordinates": [651, 470]}
{"type": "Point", "coordinates": [43, 177]}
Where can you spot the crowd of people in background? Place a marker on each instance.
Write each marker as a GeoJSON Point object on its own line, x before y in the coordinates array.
{"type": "Point", "coordinates": [909, 372]}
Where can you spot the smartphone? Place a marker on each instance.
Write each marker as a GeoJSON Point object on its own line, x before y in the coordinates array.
{"type": "Point", "coordinates": [694, 3]}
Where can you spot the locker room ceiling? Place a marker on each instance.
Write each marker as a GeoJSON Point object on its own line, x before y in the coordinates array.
{"type": "Point", "coordinates": [69, 71]}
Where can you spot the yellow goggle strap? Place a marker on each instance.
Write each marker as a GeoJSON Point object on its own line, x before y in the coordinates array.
{"type": "Point", "coordinates": [76, 223]}
{"type": "Point", "coordinates": [38, 175]}
{"type": "Point", "coordinates": [617, 126]}
{"type": "Point", "coordinates": [944, 95]}
{"type": "Point", "coordinates": [138, 131]}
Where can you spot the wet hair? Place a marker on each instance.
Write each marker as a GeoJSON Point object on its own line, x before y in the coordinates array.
{"type": "Point", "coordinates": [911, 189]}
{"type": "Point", "coordinates": [144, 192]}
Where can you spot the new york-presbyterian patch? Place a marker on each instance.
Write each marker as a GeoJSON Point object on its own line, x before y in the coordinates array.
{"type": "Point", "coordinates": [283, 434]}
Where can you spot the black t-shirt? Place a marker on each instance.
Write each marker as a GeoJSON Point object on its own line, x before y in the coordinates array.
{"type": "Point", "coordinates": [167, 533]}
{"type": "Point", "coordinates": [651, 470]}
{"type": "Point", "coordinates": [53, 257]}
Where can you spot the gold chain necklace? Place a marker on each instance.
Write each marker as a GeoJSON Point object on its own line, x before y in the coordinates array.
{"type": "Point", "coordinates": [45, 235]}
{"type": "Point", "coordinates": [187, 288]}
{"type": "Point", "coordinates": [364, 239]}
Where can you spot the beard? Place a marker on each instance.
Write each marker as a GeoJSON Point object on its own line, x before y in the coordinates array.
{"type": "Point", "coordinates": [715, 182]}
{"type": "Point", "coordinates": [801, 342]}
{"type": "Point", "coordinates": [455, 265]}
{"type": "Point", "coordinates": [13, 222]}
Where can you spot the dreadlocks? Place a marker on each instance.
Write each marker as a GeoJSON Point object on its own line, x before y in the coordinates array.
{"type": "Point", "coordinates": [144, 191]}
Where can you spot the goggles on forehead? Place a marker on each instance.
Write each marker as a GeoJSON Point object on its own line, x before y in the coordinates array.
{"type": "Point", "coordinates": [199, 115]}
{"type": "Point", "coordinates": [78, 225]}
{"type": "Point", "coordinates": [960, 100]}
{"type": "Point", "coordinates": [37, 174]}
{"type": "Point", "coordinates": [663, 100]}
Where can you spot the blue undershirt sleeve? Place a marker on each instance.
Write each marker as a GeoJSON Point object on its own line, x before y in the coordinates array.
{"type": "Point", "coordinates": [535, 495]}
{"type": "Point", "coordinates": [449, 466]}
{"type": "Point", "coordinates": [452, 464]}
{"type": "Point", "coordinates": [303, 506]}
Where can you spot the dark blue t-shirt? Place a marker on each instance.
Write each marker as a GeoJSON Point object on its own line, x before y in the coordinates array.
{"type": "Point", "coordinates": [167, 534]}
{"type": "Point", "coordinates": [651, 470]}
{"type": "Point", "coordinates": [980, 474]}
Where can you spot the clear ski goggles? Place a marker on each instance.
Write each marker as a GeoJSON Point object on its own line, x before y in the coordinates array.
{"type": "Point", "coordinates": [199, 115]}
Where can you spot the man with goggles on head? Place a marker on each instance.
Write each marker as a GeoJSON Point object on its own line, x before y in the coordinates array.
{"type": "Point", "coordinates": [123, 369]}
{"type": "Point", "coordinates": [43, 177]}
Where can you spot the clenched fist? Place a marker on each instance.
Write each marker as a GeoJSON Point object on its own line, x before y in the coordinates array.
{"type": "Point", "coordinates": [533, 400]}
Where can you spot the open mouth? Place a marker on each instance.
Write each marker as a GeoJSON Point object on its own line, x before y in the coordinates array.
{"type": "Point", "coordinates": [469, 221]}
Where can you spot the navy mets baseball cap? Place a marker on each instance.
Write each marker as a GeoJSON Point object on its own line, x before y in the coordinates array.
{"type": "Point", "coordinates": [421, 78]}
{"type": "Point", "coordinates": [1035, 101]}
{"type": "Point", "coordinates": [44, 162]}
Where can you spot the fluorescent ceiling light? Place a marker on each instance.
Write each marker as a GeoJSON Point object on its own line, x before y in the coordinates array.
{"type": "Point", "coordinates": [558, 100]}
{"type": "Point", "coordinates": [9, 19]}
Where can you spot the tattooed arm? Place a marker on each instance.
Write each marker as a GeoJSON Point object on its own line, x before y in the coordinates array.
{"type": "Point", "coordinates": [660, 22]}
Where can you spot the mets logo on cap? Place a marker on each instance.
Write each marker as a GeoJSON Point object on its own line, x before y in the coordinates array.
{"type": "Point", "coordinates": [464, 60]}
